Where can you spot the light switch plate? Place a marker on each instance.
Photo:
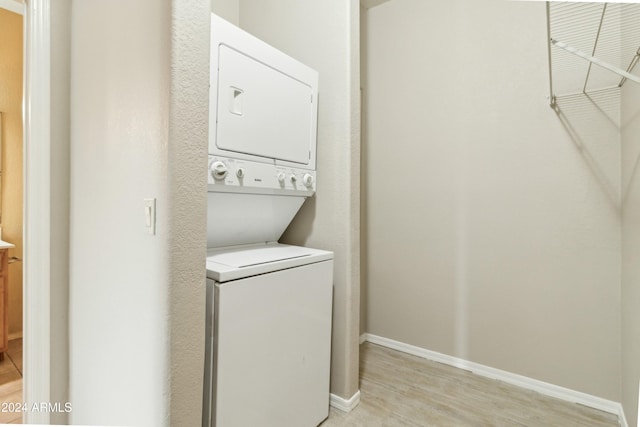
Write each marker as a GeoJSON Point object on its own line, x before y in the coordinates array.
{"type": "Point", "coordinates": [150, 215]}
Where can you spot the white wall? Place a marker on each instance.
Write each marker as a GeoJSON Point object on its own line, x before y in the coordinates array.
{"type": "Point", "coordinates": [630, 240]}
{"type": "Point", "coordinates": [325, 36]}
{"type": "Point", "coordinates": [139, 126]}
{"type": "Point", "coordinates": [493, 227]}
{"type": "Point", "coordinates": [119, 274]}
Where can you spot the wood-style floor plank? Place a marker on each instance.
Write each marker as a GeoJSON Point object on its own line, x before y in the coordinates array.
{"type": "Point", "coordinates": [11, 382]}
{"type": "Point", "coordinates": [399, 389]}
{"type": "Point", "coordinates": [10, 393]}
{"type": "Point", "coordinates": [15, 353]}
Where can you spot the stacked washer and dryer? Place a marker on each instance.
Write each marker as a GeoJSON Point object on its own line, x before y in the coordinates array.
{"type": "Point", "coordinates": [268, 310]}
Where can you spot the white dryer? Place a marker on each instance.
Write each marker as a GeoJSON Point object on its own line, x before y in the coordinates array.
{"type": "Point", "coordinates": [269, 305]}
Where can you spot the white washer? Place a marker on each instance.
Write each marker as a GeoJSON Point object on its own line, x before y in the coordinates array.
{"type": "Point", "coordinates": [268, 326]}
{"type": "Point", "coordinates": [268, 340]}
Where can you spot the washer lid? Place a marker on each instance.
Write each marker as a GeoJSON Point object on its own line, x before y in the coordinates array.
{"type": "Point", "coordinates": [240, 262]}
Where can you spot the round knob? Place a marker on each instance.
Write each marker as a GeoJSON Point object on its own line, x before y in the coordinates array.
{"type": "Point", "coordinates": [218, 170]}
{"type": "Point", "coordinates": [307, 179]}
{"type": "Point", "coordinates": [293, 179]}
{"type": "Point", "coordinates": [240, 173]}
{"type": "Point", "coordinates": [281, 177]}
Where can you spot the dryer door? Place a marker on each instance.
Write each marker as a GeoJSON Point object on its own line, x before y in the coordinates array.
{"type": "Point", "coordinates": [261, 110]}
{"type": "Point", "coordinates": [263, 104]}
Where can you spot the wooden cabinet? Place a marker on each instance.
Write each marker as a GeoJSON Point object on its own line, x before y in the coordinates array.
{"type": "Point", "coordinates": [4, 287]}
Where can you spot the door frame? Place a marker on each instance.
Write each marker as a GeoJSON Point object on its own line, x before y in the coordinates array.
{"type": "Point", "coordinates": [37, 208]}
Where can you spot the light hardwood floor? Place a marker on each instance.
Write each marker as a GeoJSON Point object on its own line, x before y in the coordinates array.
{"type": "Point", "coordinates": [398, 389]}
{"type": "Point", "coordinates": [403, 390]}
{"type": "Point", "coordinates": [11, 381]}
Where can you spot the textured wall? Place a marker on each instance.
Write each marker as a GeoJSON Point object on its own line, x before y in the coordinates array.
{"type": "Point", "coordinates": [493, 223]}
{"type": "Point", "coordinates": [325, 36]}
{"type": "Point", "coordinates": [11, 108]}
{"type": "Point", "coordinates": [630, 238]}
{"type": "Point", "coordinates": [364, 185]}
{"type": "Point", "coordinates": [188, 139]}
{"type": "Point", "coordinates": [119, 275]}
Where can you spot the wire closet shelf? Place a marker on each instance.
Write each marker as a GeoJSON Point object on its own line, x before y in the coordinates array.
{"type": "Point", "coordinates": [592, 47]}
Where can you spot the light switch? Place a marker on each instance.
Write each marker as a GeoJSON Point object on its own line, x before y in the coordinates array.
{"type": "Point", "coordinates": [150, 215]}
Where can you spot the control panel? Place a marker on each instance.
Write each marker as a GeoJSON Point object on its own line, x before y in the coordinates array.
{"type": "Point", "coordinates": [236, 175]}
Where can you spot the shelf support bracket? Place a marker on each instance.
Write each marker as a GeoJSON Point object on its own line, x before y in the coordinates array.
{"type": "Point", "coordinates": [595, 61]}
{"type": "Point", "coordinates": [632, 64]}
{"type": "Point", "coordinates": [552, 97]}
{"type": "Point", "coordinates": [595, 46]}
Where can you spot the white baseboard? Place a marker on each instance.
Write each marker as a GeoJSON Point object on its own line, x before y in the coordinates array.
{"type": "Point", "coordinates": [344, 405]}
{"type": "Point", "coordinates": [507, 377]}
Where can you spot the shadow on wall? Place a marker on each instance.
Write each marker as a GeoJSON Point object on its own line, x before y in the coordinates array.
{"type": "Point", "coordinates": [298, 232]}
{"type": "Point", "coordinates": [630, 179]}
{"type": "Point", "coordinates": [592, 120]}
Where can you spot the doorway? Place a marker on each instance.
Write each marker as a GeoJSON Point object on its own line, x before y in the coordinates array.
{"type": "Point", "coordinates": [45, 339]}
{"type": "Point", "coordinates": [11, 205]}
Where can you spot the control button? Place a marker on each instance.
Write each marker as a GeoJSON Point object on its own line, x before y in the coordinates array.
{"type": "Point", "coordinates": [240, 173]}
{"type": "Point", "coordinates": [307, 179]}
{"type": "Point", "coordinates": [293, 179]}
{"type": "Point", "coordinates": [218, 170]}
{"type": "Point", "coordinates": [281, 177]}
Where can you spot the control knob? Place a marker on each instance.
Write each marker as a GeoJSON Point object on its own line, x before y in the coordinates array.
{"type": "Point", "coordinates": [240, 173]}
{"type": "Point", "coordinates": [281, 176]}
{"type": "Point", "coordinates": [307, 179]}
{"type": "Point", "coordinates": [218, 170]}
{"type": "Point", "coordinates": [293, 179]}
